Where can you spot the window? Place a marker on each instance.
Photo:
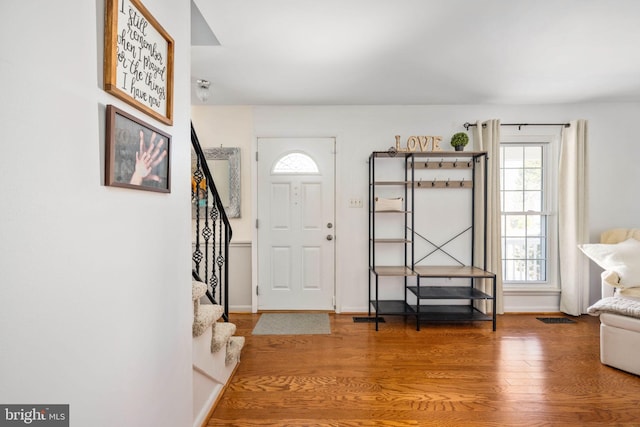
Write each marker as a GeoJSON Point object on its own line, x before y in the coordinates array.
{"type": "Point", "coordinates": [526, 186]}
{"type": "Point", "coordinates": [295, 163]}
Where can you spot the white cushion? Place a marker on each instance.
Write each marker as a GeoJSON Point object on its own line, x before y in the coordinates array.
{"type": "Point", "coordinates": [621, 260]}
{"type": "Point", "coordinates": [630, 293]}
{"type": "Point", "coordinates": [620, 321]}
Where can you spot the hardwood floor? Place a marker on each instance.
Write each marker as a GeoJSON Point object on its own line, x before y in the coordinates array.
{"type": "Point", "coordinates": [527, 373]}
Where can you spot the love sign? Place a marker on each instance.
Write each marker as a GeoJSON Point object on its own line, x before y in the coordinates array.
{"type": "Point", "coordinates": [419, 143]}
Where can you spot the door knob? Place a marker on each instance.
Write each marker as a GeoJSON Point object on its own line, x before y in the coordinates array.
{"type": "Point", "coordinates": [329, 237]}
{"type": "Point", "coordinates": [329, 225]}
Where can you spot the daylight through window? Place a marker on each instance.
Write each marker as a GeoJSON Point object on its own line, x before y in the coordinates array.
{"type": "Point", "coordinates": [296, 163]}
{"type": "Point", "coordinates": [524, 220]}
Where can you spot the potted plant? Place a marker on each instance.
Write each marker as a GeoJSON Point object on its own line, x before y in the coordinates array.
{"type": "Point", "coordinates": [459, 140]}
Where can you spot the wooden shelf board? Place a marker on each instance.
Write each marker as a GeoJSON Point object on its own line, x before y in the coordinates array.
{"type": "Point", "coordinates": [403, 183]}
{"type": "Point", "coordinates": [448, 154]}
{"type": "Point", "coordinates": [421, 154]}
{"type": "Point", "coordinates": [391, 240]}
{"type": "Point", "coordinates": [452, 271]}
{"type": "Point", "coordinates": [388, 270]}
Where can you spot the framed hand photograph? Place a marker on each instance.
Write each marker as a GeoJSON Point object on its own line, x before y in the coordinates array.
{"type": "Point", "coordinates": [137, 155]}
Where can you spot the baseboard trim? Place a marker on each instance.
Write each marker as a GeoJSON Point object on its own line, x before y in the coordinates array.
{"type": "Point", "coordinates": [239, 309]}
{"type": "Point", "coordinates": [205, 422]}
{"type": "Point", "coordinates": [354, 310]}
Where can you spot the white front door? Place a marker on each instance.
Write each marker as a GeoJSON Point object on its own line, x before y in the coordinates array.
{"type": "Point", "coordinates": [296, 248]}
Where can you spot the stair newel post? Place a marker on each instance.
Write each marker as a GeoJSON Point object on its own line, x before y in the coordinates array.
{"type": "Point", "coordinates": [227, 238]}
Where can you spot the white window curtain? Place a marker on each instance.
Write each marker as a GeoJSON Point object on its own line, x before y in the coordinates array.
{"type": "Point", "coordinates": [487, 138]}
{"type": "Point", "coordinates": [573, 219]}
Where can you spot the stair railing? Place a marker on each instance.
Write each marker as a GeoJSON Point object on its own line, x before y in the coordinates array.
{"type": "Point", "coordinates": [212, 232]}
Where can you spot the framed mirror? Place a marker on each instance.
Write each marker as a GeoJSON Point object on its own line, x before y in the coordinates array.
{"type": "Point", "coordinates": [224, 164]}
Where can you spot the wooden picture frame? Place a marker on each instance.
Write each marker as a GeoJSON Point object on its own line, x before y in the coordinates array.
{"type": "Point", "coordinates": [138, 59]}
{"type": "Point", "coordinates": [137, 155]}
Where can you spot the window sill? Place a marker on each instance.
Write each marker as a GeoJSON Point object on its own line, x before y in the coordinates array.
{"type": "Point", "coordinates": [529, 290]}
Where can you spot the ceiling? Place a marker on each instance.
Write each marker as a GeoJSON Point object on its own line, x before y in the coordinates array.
{"type": "Point", "coordinates": [417, 52]}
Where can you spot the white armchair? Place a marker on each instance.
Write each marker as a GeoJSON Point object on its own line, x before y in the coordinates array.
{"type": "Point", "coordinates": [619, 330]}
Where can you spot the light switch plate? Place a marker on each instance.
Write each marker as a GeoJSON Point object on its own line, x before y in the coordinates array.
{"type": "Point", "coordinates": [355, 202]}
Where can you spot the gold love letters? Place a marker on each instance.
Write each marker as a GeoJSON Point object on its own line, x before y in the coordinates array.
{"type": "Point", "coordinates": [419, 143]}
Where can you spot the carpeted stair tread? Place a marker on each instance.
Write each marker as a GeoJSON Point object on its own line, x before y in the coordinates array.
{"type": "Point", "coordinates": [234, 347]}
{"type": "Point", "coordinates": [222, 332]}
{"type": "Point", "coordinates": [206, 316]}
{"type": "Point", "coordinates": [198, 290]}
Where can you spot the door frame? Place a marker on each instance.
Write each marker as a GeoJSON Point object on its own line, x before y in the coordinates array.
{"type": "Point", "coordinates": [255, 216]}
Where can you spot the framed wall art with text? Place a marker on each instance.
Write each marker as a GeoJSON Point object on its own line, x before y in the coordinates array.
{"type": "Point", "coordinates": [138, 59]}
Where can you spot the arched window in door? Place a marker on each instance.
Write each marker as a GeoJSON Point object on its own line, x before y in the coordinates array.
{"type": "Point", "coordinates": [295, 163]}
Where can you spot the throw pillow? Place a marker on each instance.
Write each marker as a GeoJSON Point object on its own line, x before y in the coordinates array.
{"type": "Point", "coordinates": [621, 258]}
{"type": "Point", "coordinates": [631, 293]}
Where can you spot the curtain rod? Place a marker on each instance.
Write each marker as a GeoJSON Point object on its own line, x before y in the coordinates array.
{"type": "Point", "coordinates": [468, 125]}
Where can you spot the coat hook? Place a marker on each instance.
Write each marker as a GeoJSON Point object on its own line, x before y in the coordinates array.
{"type": "Point", "coordinates": [462, 183]}
{"type": "Point", "coordinates": [455, 163]}
{"type": "Point", "coordinates": [440, 164]}
{"type": "Point", "coordinates": [433, 183]}
{"type": "Point", "coordinates": [447, 183]}
{"type": "Point", "coordinates": [426, 164]}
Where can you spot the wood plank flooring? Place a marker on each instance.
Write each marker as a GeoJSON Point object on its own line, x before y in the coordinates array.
{"type": "Point", "coordinates": [527, 373]}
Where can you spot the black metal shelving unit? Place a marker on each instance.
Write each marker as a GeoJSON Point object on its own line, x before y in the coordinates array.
{"type": "Point", "coordinates": [411, 272]}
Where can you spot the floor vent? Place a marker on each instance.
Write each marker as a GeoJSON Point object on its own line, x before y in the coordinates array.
{"type": "Point", "coordinates": [367, 319]}
{"type": "Point", "coordinates": [555, 320]}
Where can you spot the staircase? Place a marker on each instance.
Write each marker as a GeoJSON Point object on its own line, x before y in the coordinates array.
{"type": "Point", "coordinates": [216, 352]}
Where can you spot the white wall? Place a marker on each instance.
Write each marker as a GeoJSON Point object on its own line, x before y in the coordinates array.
{"type": "Point", "coordinates": [362, 129]}
{"type": "Point", "coordinates": [230, 127]}
{"type": "Point", "coordinates": [95, 306]}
